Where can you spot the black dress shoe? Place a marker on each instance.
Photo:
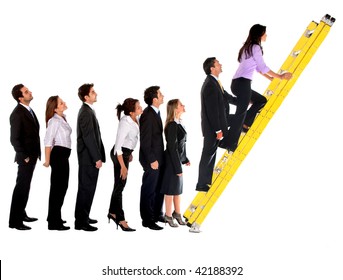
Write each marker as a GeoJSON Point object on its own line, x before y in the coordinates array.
{"type": "Point", "coordinates": [152, 226]}
{"type": "Point", "coordinates": [20, 227]}
{"type": "Point", "coordinates": [202, 188]}
{"type": "Point", "coordinates": [245, 128]}
{"type": "Point", "coordinates": [29, 219]}
{"type": "Point", "coordinates": [161, 219]}
{"type": "Point", "coordinates": [223, 145]}
{"type": "Point", "coordinates": [86, 228]}
{"type": "Point", "coordinates": [61, 227]}
{"type": "Point", "coordinates": [229, 149]}
{"type": "Point", "coordinates": [92, 221]}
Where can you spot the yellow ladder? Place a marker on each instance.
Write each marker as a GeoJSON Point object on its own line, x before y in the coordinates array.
{"type": "Point", "coordinates": [276, 92]}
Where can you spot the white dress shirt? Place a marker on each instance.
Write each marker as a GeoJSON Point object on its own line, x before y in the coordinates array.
{"type": "Point", "coordinates": [127, 135]}
{"type": "Point", "coordinates": [58, 132]}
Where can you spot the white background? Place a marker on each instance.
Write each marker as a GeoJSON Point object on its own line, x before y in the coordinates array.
{"type": "Point", "coordinates": [281, 215]}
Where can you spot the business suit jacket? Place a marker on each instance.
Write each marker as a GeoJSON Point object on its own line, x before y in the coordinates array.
{"type": "Point", "coordinates": [90, 147]}
{"type": "Point", "coordinates": [24, 134]}
{"type": "Point", "coordinates": [176, 137]}
{"type": "Point", "coordinates": [175, 156]}
{"type": "Point", "coordinates": [151, 149]}
{"type": "Point", "coordinates": [151, 139]}
{"type": "Point", "coordinates": [215, 107]}
{"type": "Point", "coordinates": [215, 112]}
{"type": "Point", "coordinates": [26, 143]}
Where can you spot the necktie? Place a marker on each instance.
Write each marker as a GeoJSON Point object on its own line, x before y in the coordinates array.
{"type": "Point", "coordinates": [221, 86]}
{"type": "Point", "coordinates": [33, 116]}
{"type": "Point", "coordinates": [160, 119]}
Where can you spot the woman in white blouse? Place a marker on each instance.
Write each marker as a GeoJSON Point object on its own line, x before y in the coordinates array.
{"type": "Point", "coordinates": [121, 155]}
{"type": "Point", "coordinates": [57, 144]}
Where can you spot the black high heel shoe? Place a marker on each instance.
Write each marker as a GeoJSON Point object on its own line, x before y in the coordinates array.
{"type": "Point", "coordinates": [125, 228]}
{"type": "Point", "coordinates": [170, 221]}
{"type": "Point", "coordinates": [110, 217]}
{"type": "Point", "coordinates": [177, 217]}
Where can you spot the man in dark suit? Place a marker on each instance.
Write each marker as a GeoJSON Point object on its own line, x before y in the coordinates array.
{"type": "Point", "coordinates": [26, 143]}
{"type": "Point", "coordinates": [215, 111]}
{"type": "Point", "coordinates": [151, 159]}
{"type": "Point", "coordinates": [91, 155]}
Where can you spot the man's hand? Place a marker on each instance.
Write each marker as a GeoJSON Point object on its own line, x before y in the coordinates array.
{"type": "Point", "coordinates": [220, 135]}
{"type": "Point", "coordinates": [98, 164]}
{"type": "Point", "coordinates": [154, 165]}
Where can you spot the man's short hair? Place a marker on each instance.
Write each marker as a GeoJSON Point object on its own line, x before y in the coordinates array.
{"type": "Point", "coordinates": [16, 92]}
{"type": "Point", "coordinates": [84, 90]}
{"type": "Point", "coordinates": [208, 64]}
{"type": "Point", "coordinates": [150, 93]}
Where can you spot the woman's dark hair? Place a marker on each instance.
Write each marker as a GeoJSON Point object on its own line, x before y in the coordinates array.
{"type": "Point", "coordinates": [51, 105]}
{"type": "Point", "coordinates": [128, 106]}
{"type": "Point", "coordinates": [254, 38]}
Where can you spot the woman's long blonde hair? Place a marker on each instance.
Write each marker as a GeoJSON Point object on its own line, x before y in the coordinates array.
{"type": "Point", "coordinates": [171, 106]}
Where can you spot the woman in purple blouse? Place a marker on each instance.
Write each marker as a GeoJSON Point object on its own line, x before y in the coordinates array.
{"type": "Point", "coordinates": [250, 58]}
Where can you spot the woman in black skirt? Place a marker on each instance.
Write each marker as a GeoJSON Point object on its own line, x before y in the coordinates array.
{"type": "Point", "coordinates": [175, 156]}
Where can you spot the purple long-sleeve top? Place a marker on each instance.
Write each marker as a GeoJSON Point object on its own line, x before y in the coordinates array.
{"type": "Point", "coordinates": [248, 65]}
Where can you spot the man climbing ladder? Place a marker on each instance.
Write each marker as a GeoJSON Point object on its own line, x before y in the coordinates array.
{"type": "Point", "coordinates": [276, 92]}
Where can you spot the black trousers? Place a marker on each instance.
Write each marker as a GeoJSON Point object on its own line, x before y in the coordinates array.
{"type": "Point", "coordinates": [116, 204]}
{"type": "Point", "coordinates": [241, 87]}
{"type": "Point", "coordinates": [207, 162]}
{"type": "Point", "coordinates": [151, 200]}
{"type": "Point", "coordinates": [21, 192]}
{"type": "Point", "coordinates": [88, 178]}
{"type": "Point", "coordinates": [59, 179]}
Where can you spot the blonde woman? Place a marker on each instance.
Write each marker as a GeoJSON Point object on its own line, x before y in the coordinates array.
{"type": "Point", "coordinates": [175, 156]}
